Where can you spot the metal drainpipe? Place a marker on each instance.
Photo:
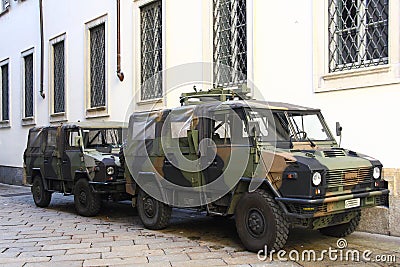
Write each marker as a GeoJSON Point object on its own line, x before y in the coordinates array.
{"type": "Point", "coordinates": [41, 49]}
{"type": "Point", "coordinates": [120, 74]}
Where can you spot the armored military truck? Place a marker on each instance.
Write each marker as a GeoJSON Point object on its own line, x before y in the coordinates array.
{"type": "Point", "coordinates": [271, 165]}
{"type": "Point", "coordinates": [79, 159]}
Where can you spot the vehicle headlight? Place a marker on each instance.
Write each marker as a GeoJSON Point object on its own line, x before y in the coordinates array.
{"type": "Point", "coordinates": [110, 170]}
{"type": "Point", "coordinates": [316, 178]}
{"type": "Point", "coordinates": [377, 173]}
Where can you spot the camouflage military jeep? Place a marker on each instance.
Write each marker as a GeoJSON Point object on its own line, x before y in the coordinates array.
{"type": "Point", "coordinates": [271, 165]}
{"type": "Point", "coordinates": [79, 159]}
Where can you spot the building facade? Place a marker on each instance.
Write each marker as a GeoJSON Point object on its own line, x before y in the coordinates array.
{"type": "Point", "coordinates": [59, 62]}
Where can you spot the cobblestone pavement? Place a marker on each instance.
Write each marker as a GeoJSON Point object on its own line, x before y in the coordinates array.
{"type": "Point", "coordinates": [57, 236]}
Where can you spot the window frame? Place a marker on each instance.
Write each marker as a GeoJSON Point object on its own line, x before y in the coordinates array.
{"type": "Point", "coordinates": [248, 43]}
{"type": "Point", "coordinates": [5, 123]}
{"type": "Point", "coordinates": [30, 120]}
{"type": "Point", "coordinates": [360, 78]}
{"type": "Point", "coordinates": [142, 5]}
{"type": "Point", "coordinates": [57, 116]}
{"type": "Point", "coordinates": [100, 111]}
{"type": "Point", "coordinates": [361, 28]}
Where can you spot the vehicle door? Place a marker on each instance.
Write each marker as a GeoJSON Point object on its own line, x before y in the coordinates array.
{"type": "Point", "coordinates": [72, 155]}
{"type": "Point", "coordinates": [51, 159]}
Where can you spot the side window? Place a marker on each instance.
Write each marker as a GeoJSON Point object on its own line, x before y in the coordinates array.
{"type": "Point", "coordinates": [34, 142]}
{"type": "Point", "coordinates": [70, 140]}
{"type": "Point", "coordinates": [51, 140]}
{"type": "Point", "coordinates": [221, 129]}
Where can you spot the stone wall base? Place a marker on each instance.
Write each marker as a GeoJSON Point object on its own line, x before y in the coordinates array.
{"type": "Point", "coordinates": [11, 175]}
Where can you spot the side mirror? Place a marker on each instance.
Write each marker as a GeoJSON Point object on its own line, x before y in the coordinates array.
{"type": "Point", "coordinates": [338, 129]}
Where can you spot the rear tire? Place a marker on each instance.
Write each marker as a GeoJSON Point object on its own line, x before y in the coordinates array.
{"type": "Point", "coordinates": [260, 222]}
{"type": "Point", "coordinates": [154, 214]}
{"type": "Point", "coordinates": [342, 230]}
{"type": "Point", "coordinates": [41, 196]}
{"type": "Point", "coordinates": [87, 203]}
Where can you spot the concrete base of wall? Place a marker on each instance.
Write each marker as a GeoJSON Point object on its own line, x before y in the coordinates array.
{"type": "Point", "coordinates": [11, 175]}
{"type": "Point", "coordinates": [381, 220]}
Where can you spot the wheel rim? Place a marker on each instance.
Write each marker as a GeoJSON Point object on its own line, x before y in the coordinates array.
{"type": "Point", "coordinates": [37, 192]}
{"type": "Point", "coordinates": [149, 207]}
{"type": "Point", "coordinates": [255, 222]}
{"type": "Point", "coordinates": [82, 198]}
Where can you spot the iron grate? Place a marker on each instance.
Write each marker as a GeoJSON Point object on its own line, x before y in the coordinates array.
{"type": "Point", "coordinates": [59, 85]}
{"type": "Point", "coordinates": [28, 82]}
{"type": "Point", "coordinates": [97, 66]}
{"type": "Point", "coordinates": [4, 93]}
{"type": "Point", "coordinates": [151, 50]}
{"type": "Point", "coordinates": [358, 34]}
{"type": "Point", "coordinates": [230, 42]}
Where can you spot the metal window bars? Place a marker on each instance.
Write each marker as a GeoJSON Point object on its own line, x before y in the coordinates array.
{"type": "Point", "coordinates": [97, 66]}
{"type": "Point", "coordinates": [358, 34]}
{"type": "Point", "coordinates": [59, 77]}
{"type": "Point", "coordinates": [28, 83]}
{"type": "Point", "coordinates": [151, 50]}
{"type": "Point", "coordinates": [5, 112]}
{"type": "Point", "coordinates": [230, 42]}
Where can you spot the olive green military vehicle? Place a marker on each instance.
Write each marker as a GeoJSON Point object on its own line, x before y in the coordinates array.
{"type": "Point", "coordinates": [79, 159]}
{"type": "Point", "coordinates": [272, 165]}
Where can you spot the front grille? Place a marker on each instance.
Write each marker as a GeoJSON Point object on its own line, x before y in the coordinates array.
{"type": "Point", "coordinates": [348, 177]}
{"type": "Point", "coordinates": [334, 153]}
{"type": "Point", "coordinates": [307, 208]}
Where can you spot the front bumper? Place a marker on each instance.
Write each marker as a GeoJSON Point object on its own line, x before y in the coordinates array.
{"type": "Point", "coordinates": [311, 208]}
{"type": "Point", "coordinates": [108, 187]}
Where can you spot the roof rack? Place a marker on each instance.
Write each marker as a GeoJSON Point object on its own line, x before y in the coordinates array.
{"type": "Point", "coordinates": [215, 94]}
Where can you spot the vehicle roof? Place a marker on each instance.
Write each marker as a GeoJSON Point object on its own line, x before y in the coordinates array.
{"type": "Point", "coordinates": [86, 124]}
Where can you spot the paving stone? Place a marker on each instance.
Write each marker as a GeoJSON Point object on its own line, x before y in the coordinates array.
{"type": "Point", "coordinates": [172, 245]}
{"type": "Point", "coordinates": [115, 261]}
{"type": "Point", "coordinates": [83, 256]}
{"type": "Point", "coordinates": [203, 249]}
{"type": "Point", "coordinates": [132, 253]}
{"type": "Point", "coordinates": [199, 263]}
{"type": "Point", "coordinates": [66, 246]}
{"type": "Point", "coordinates": [55, 263]}
{"type": "Point", "coordinates": [170, 257]}
{"type": "Point", "coordinates": [88, 250]}
{"type": "Point", "coordinates": [129, 248]}
{"type": "Point", "coordinates": [41, 253]}
{"type": "Point", "coordinates": [210, 255]}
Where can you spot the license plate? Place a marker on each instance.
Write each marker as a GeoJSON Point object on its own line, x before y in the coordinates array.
{"type": "Point", "coordinates": [352, 203]}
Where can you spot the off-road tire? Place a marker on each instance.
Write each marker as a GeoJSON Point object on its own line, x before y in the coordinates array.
{"type": "Point", "coordinates": [87, 203]}
{"type": "Point", "coordinates": [261, 222]}
{"type": "Point", "coordinates": [40, 195]}
{"type": "Point", "coordinates": [342, 230]}
{"type": "Point", "coordinates": [154, 214]}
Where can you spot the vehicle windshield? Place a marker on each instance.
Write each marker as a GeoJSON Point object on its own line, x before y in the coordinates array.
{"type": "Point", "coordinates": [97, 138]}
{"type": "Point", "coordinates": [286, 126]}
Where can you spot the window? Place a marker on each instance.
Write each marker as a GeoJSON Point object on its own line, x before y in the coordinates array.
{"type": "Point", "coordinates": [5, 90]}
{"type": "Point", "coordinates": [151, 50]}
{"type": "Point", "coordinates": [230, 42]}
{"type": "Point", "coordinates": [358, 34]}
{"type": "Point", "coordinates": [58, 75]}
{"type": "Point", "coordinates": [4, 5]}
{"type": "Point", "coordinates": [28, 85]}
{"type": "Point", "coordinates": [97, 66]}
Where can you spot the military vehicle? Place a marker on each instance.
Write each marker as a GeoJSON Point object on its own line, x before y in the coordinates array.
{"type": "Point", "coordinates": [288, 170]}
{"type": "Point", "coordinates": [79, 159]}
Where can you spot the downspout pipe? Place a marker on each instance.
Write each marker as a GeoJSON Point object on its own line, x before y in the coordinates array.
{"type": "Point", "coordinates": [42, 94]}
{"type": "Point", "coordinates": [120, 74]}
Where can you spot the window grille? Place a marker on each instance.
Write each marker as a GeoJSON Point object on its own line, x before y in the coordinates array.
{"type": "Point", "coordinates": [4, 93]}
{"type": "Point", "coordinates": [28, 82]}
{"type": "Point", "coordinates": [59, 77]}
{"type": "Point", "coordinates": [151, 50]}
{"type": "Point", "coordinates": [358, 34]}
{"type": "Point", "coordinates": [97, 66]}
{"type": "Point", "coordinates": [230, 42]}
